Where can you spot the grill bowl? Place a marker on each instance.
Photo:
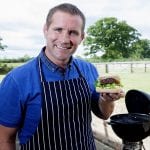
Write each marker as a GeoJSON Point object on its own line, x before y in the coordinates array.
{"type": "Point", "coordinates": [132, 127]}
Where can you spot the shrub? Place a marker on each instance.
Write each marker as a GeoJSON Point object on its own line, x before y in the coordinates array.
{"type": "Point", "coordinates": [5, 68]}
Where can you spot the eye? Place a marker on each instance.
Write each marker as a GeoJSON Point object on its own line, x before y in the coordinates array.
{"type": "Point", "coordinates": [58, 29]}
{"type": "Point", "coordinates": [74, 33]}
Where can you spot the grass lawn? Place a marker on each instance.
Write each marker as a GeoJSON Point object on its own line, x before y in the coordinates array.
{"type": "Point", "coordinates": [140, 81]}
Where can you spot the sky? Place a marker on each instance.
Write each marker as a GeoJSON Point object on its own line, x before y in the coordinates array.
{"type": "Point", "coordinates": [21, 21]}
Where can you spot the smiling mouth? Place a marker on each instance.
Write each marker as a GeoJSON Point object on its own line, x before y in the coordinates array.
{"type": "Point", "coordinates": [63, 48]}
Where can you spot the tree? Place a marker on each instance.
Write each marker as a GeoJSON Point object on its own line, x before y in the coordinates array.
{"type": "Point", "coordinates": [112, 37]}
{"type": "Point", "coordinates": [141, 49]}
{"type": "Point", "coordinates": [144, 44]}
{"type": "Point", "coordinates": [2, 46]}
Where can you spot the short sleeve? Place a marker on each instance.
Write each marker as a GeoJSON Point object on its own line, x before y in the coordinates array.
{"type": "Point", "coordinates": [10, 106]}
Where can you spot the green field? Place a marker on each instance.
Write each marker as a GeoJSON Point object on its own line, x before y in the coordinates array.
{"type": "Point", "coordinates": [139, 81]}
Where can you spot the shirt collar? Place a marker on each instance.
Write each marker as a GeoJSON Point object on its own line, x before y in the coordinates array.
{"type": "Point", "coordinates": [53, 67]}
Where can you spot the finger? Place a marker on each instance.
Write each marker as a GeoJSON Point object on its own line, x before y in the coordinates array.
{"type": "Point", "coordinates": [102, 98]}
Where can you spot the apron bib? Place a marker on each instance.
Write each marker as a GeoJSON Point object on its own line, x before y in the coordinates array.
{"type": "Point", "coordinates": [65, 122]}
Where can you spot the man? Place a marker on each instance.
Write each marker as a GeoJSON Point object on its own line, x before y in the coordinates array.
{"type": "Point", "coordinates": [48, 101]}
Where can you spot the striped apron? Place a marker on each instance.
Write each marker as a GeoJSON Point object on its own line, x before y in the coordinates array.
{"type": "Point", "coordinates": [65, 122]}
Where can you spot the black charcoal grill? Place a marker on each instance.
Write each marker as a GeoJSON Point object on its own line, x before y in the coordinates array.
{"type": "Point", "coordinates": [134, 126]}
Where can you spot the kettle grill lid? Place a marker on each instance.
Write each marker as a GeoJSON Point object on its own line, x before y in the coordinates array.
{"type": "Point", "coordinates": [137, 101]}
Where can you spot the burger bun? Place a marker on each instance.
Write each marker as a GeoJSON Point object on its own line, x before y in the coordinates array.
{"type": "Point", "coordinates": [113, 91]}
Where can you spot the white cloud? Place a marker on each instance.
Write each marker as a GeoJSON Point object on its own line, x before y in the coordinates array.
{"type": "Point", "coordinates": [21, 21]}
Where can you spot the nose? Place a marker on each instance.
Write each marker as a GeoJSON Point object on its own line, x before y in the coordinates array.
{"type": "Point", "coordinates": [65, 38]}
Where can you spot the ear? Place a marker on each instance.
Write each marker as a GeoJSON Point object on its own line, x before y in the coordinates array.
{"type": "Point", "coordinates": [82, 37]}
{"type": "Point", "coordinates": [45, 29]}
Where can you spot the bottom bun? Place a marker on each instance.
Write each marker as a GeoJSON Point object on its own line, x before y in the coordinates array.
{"type": "Point", "coordinates": [113, 91]}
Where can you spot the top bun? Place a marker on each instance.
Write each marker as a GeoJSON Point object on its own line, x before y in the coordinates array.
{"type": "Point", "coordinates": [110, 79]}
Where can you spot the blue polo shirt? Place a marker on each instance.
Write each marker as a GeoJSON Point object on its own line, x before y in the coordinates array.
{"type": "Point", "coordinates": [20, 92]}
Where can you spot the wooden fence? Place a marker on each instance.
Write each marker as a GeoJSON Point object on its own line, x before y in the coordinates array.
{"type": "Point", "coordinates": [124, 67]}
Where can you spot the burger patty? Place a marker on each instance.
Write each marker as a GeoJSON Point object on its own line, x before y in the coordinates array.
{"type": "Point", "coordinates": [109, 81]}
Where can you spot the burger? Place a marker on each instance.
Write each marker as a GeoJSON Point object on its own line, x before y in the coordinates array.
{"type": "Point", "coordinates": [110, 84]}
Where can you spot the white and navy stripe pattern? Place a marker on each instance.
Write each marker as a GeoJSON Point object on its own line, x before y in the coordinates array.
{"type": "Point", "coordinates": [65, 117]}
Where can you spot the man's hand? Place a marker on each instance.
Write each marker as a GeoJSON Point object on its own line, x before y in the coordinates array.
{"type": "Point", "coordinates": [112, 96]}
{"type": "Point", "coordinates": [106, 103]}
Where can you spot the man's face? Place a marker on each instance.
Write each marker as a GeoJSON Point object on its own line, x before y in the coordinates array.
{"type": "Point", "coordinates": [63, 36]}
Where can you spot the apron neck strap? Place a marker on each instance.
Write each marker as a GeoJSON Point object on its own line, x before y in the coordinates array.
{"type": "Point", "coordinates": [42, 78]}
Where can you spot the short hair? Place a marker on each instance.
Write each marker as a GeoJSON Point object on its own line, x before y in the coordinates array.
{"type": "Point", "coordinates": [68, 8]}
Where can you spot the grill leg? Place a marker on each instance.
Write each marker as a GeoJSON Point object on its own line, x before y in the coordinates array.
{"type": "Point", "coordinates": [132, 145]}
